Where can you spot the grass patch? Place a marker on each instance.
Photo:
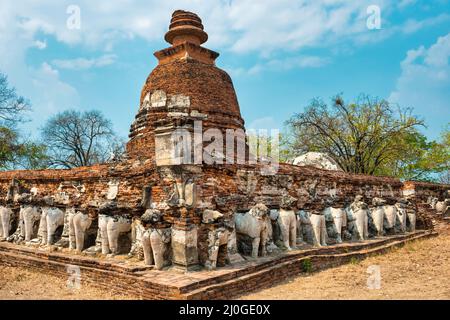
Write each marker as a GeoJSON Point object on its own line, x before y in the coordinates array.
{"type": "Point", "coordinates": [307, 265]}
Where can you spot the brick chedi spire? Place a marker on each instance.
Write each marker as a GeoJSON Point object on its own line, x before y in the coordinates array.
{"type": "Point", "coordinates": [186, 84]}
{"type": "Point", "coordinates": [185, 26]}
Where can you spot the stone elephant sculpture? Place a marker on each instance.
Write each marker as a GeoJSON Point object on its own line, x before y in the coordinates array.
{"type": "Point", "coordinates": [79, 223]}
{"type": "Point", "coordinates": [390, 218]}
{"type": "Point", "coordinates": [314, 226]}
{"type": "Point", "coordinates": [6, 216]}
{"type": "Point", "coordinates": [402, 215]}
{"type": "Point", "coordinates": [288, 225]}
{"type": "Point", "coordinates": [442, 207]}
{"type": "Point", "coordinates": [217, 239]}
{"type": "Point", "coordinates": [51, 220]}
{"type": "Point", "coordinates": [156, 245]}
{"type": "Point", "coordinates": [254, 224]}
{"type": "Point", "coordinates": [378, 214]}
{"type": "Point", "coordinates": [31, 216]}
{"type": "Point", "coordinates": [155, 241]}
{"type": "Point", "coordinates": [232, 248]}
{"type": "Point", "coordinates": [338, 217]}
{"type": "Point", "coordinates": [111, 227]}
{"type": "Point", "coordinates": [357, 218]}
{"type": "Point", "coordinates": [288, 221]}
{"type": "Point", "coordinates": [219, 235]}
{"type": "Point", "coordinates": [411, 214]}
{"type": "Point", "coordinates": [137, 231]}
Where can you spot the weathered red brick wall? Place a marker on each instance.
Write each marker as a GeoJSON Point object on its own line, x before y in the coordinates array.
{"type": "Point", "coordinates": [227, 188]}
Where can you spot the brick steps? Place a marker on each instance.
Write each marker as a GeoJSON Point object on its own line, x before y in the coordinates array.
{"type": "Point", "coordinates": [104, 264]}
{"type": "Point", "coordinates": [275, 273]}
{"type": "Point", "coordinates": [244, 269]}
{"type": "Point", "coordinates": [223, 283]}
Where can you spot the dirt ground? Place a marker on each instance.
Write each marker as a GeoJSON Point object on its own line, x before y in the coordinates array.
{"type": "Point", "coordinates": [419, 270]}
{"type": "Point", "coordinates": [23, 284]}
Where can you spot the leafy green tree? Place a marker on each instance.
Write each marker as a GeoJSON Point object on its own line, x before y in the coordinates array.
{"type": "Point", "coordinates": [15, 152]}
{"type": "Point", "coordinates": [368, 136]}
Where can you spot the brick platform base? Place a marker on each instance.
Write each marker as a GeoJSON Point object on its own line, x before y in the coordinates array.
{"type": "Point", "coordinates": [119, 275]}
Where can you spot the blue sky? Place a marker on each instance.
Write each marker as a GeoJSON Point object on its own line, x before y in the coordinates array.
{"type": "Point", "coordinates": [280, 54]}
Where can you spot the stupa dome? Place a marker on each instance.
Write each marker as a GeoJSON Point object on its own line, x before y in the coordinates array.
{"type": "Point", "coordinates": [186, 81]}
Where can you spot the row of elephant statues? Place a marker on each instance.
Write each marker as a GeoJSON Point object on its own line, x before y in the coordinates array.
{"type": "Point", "coordinates": [441, 207]}
{"type": "Point", "coordinates": [261, 230]}
{"type": "Point", "coordinates": [47, 225]}
{"type": "Point", "coordinates": [254, 232]}
{"type": "Point", "coordinates": [58, 227]}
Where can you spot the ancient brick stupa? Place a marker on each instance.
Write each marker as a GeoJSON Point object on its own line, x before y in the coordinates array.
{"type": "Point", "coordinates": [186, 85]}
{"type": "Point", "coordinates": [164, 208]}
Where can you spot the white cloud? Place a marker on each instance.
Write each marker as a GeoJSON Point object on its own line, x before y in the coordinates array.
{"type": "Point", "coordinates": [300, 61]}
{"type": "Point", "coordinates": [41, 45]}
{"type": "Point", "coordinates": [424, 83]}
{"type": "Point", "coordinates": [83, 63]}
{"type": "Point", "coordinates": [48, 93]}
{"type": "Point", "coordinates": [276, 65]}
{"type": "Point", "coordinates": [412, 25]}
{"type": "Point", "coordinates": [408, 27]}
{"type": "Point", "coordinates": [265, 27]}
{"type": "Point", "coordinates": [405, 3]}
{"type": "Point", "coordinates": [242, 25]}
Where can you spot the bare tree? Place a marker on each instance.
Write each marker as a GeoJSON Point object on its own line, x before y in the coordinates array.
{"type": "Point", "coordinates": [76, 139]}
{"type": "Point", "coordinates": [12, 105]}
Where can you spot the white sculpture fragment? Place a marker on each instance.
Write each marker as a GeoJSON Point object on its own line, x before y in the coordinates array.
{"type": "Point", "coordinates": [158, 99]}
{"type": "Point", "coordinates": [6, 215]}
{"type": "Point", "coordinates": [217, 239]}
{"type": "Point", "coordinates": [338, 217]}
{"type": "Point", "coordinates": [179, 101]}
{"type": "Point", "coordinates": [318, 160]}
{"type": "Point", "coordinates": [378, 214]}
{"type": "Point", "coordinates": [31, 217]}
{"type": "Point", "coordinates": [137, 231]}
{"type": "Point", "coordinates": [288, 223]}
{"type": "Point", "coordinates": [402, 216]}
{"type": "Point", "coordinates": [113, 190]}
{"type": "Point", "coordinates": [442, 207]}
{"type": "Point", "coordinates": [51, 220]}
{"type": "Point", "coordinates": [411, 213]}
{"type": "Point", "coordinates": [314, 226]}
{"type": "Point", "coordinates": [209, 216]}
{"type": "Point", "coordinates": [390, 214]}
{"type": "Point", "coordinates": [319, 228]}
{"type": "Point", "coordinates": [254, 224]}
{"type": "Point", "coordinates": [111, 227]}
{"type": "Point", "coordinates": [79, 223]}
{"type": "Point", "coordinates": [357, 215]}
{"type": "Point", "coordinates": [155, 241]}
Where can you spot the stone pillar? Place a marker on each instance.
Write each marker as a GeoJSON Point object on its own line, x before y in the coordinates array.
{"type": "Point", "coordinates": [184, 247]}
